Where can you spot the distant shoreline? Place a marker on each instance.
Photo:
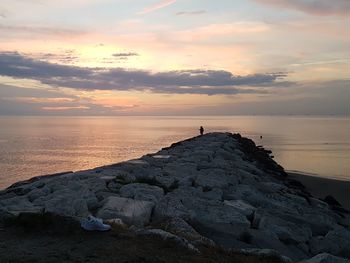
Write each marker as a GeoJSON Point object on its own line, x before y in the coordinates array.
{"type": "Point", "coordinates": [320, 187]}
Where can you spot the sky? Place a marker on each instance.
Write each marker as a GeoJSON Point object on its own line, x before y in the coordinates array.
{"type": "Point", "coordinates": [174, 57]}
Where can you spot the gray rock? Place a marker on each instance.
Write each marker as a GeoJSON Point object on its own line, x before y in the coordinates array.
{"type": "Point", "coordinates": [171, 206]}
{"type": "Point", "coordinates": [213, 194]}
{"type": "Point", "coordinates": [17, 205]}
{"type": "Point", "coordinates": [215, 178]}
{"type": "Point", "coordinates": [216, 217]}
{"type": "Point", "coordinates": [241, 206]}
{"type": "Point", "coordinates": [326, 258]}
{"type": "Point", "coordinates": [181, 228]}
{"type": "Point", "coordinates": [268, 240]}
{"type": "Point", "coordinates": [142, 192]}
{"type": "Point", "coordinates": [167, 236]}
{"type": "Point", "coordinates": [226, 155]}
{"type": "Point", "coordinates": [266, 252]}
{"type": "Point", "coordinates": [37, 193]}
{"type": "Point", "coordinates": [124, 177]}
{"type": "Point", "coordinates": [285, 231]}
{"type": "Point", "coordinates": [67, 206]}
{"type": "Point", "coordinates": [336, 242]}
{"type": "Point", "coordinates": [132, 212]}
{"type": "Point", "coordinates": [208, 188]}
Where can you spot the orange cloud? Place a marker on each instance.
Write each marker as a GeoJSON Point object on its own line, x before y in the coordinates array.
{"type": "Point", "coordinates": [40, 100]}
{"type": "Point", "coordinates": [81, 107]}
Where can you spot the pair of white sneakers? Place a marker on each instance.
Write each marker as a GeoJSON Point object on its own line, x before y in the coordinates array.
{"type": "Point", "coordinates": [94, 224]}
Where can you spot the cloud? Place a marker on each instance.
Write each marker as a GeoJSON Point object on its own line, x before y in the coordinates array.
{"type": "Point", "coordinates": [66, 56]}
{"type": "Point", "coordinates": [157, 6]}
{"type": "Point", "coordinates": [124, 55]}
{"type": "Point", "coordinates": [81, 107]}
{"type": "Point", "coordinates": [37, 100]}
{"type": "Point", "coordinates": [191, 13]}
{"type": "Point", "coordinates": [3, 14]}
{"type": "Point", "coordinates": [197, 81]}
{"type": "Point", "coordinates": [222, 30]}
{"type": "Point", "coordinates": [29, 31]}
{"type": "Point", "coordinates": [315, 7]}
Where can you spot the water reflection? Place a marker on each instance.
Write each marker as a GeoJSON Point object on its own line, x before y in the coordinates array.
{"type": "Point", "coordinates": [40, 145]}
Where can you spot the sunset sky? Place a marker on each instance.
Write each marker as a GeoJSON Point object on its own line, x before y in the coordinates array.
{"type": "Point", "coordinates": [174, 57]}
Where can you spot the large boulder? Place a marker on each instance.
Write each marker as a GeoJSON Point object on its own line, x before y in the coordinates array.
{"type": "Point", "coordinates": [132, 212]}
{"type": "Point", "coordinates": [142, 192]}
{"type": "Point", "coordinates": [241, 206]}
{"type": "Point", "coordinates": [336, 242]}
{"type": "Point", "coordinates": [18, 205]}
{"type": "Point", "coordinates": [67, 206]}
{"type": "Point", "coordinates": [326, 258]}
{"type": "Point", "coordinates": [211, 178]}
{"type": "Point", "coordinates": [164, 235]}
{"type": "Point", "coordinates": [286, 231]}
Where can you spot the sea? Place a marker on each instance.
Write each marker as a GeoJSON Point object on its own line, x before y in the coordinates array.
{"type": "Point", "coordinates": [32, 146]}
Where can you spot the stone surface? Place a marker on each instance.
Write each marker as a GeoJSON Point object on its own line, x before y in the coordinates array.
{"type": "Point", "coordinates": [142, 192]}
{"type": "Point", "coordinates": [132, 212]}
{"type": "Point", "coordinates": [168, 237]}
{"type": "Point", "coordinates": [213, 189]}
{"type": "Point", "coordinates": [326, 258]}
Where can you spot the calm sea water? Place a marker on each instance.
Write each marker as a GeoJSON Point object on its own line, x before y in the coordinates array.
{"type": "Point", "coordinates": [31, 146]}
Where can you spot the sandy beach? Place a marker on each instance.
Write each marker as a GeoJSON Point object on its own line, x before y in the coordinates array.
{"type": "Point", "coordinates": [321, 187]}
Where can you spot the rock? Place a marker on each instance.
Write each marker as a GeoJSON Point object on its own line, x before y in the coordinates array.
{"type": "Point", "coordinates": [271, 187]}
{"type": "Point", "coordinates": [18, 205]}
{"type": "Point", "coordinates": [224, 154]}
{"type": "Point", "coordinates": [217, 188]}
{"type": "Point", "coordinates": [336, 242]}
{"type": "Point", "coordinates": [180, 170]}
{"type": "Point", "coordinates": [213, 194]}
{"type": "Point", "coordinates": [215, 178]}
{"type": "Point", "coordinates": [142, 192]}
{"type": "Point", "coordinates": [268, 240]}
{"type": "Point", "coordinates": [287, 232]}
{"type": "Point", "coordinates": [326, 258]}
{"type": "Point", "coordinates": [241, 206]}
{"type": "Point", "coordinates": [132, 212]}
{"type": "Point", "coordinates": [181, 228]}
{"type": "Point", "coordinates": [318, 203]}
{"type": "Point", "coordinates": [172, 205]}
{"type": "Point", "coordinates": [267, 253]}
{"type": "Point", "coordinates": [214, 218]}
{"type": "Point", "coordinates": [124, 177]}
{"type": "Point", "coordinates": [37, 193]}
{"type": "Point", "coordinates": [67, 206]}
{"type": "Point", "coordinates": [331, 201]}
{"type": "Point", "coordinates": [168, 237]}
{"type": "Point", "coordinates": [5, 216]}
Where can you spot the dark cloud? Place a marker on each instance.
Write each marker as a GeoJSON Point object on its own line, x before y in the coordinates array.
{"type": "Point", "coordinates": [191, 13]}
{"type": "Point", "coordinates": [209, 82]}
{"type": "Point", "coordinates": [67, 56]}
{"type": "Point", "coordinates": [10, 91]}
{"type": "Point", "coordinates": [315, 7]}
{"type": "Point", "coordinates": [128, 54]}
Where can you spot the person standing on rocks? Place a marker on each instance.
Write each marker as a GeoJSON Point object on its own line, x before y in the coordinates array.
{"type": "Point", "coordinates": [201, 130]}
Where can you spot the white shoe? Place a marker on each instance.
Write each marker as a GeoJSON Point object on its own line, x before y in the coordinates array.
{"type": "Point", "coordinates": [92, 223]}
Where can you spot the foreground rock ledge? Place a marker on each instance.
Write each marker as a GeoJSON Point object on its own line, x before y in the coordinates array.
{"type": "Point", "coordinates": [219, 188]}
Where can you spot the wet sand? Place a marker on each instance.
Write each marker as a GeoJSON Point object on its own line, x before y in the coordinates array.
{"type": "Point", "coordinates": [321, 187]}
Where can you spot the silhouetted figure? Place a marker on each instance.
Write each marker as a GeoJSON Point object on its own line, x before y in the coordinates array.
{"type": "Point", "coordinates": [201, 130]}
{"type": "Point", "coordinates": [260, 137]}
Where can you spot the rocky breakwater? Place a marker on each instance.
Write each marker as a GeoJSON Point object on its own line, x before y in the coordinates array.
{"type": "Point", "coordinates": [217, 189]}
